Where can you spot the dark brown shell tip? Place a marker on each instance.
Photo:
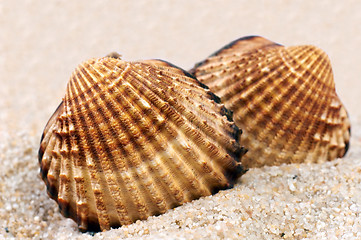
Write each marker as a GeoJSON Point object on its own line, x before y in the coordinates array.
{"type": "Point", "coordinates": [186, 73]}
{"type": "Point", "coordinates": [41, 151]}
{"type": "Point", "coordinates": [240, 153]}
{"type": "Point", "coordinates": [229, 45]}
{"type": "Point", "coordinates": [92, 228]}
{"type": "Point", "coordinates": [233, 176]}
{"type": "Point", "coordinates": [114, 55]}
{"type": "Point", "coordinates": [236, 133]}
{"type": "Point", "coordinates": [347, 146]}
{"type": "Point", "coordinates": [228, 113]}
{"type": "Point", "coordinates": [213, 96]}
{"type": "Point", "coordinates": [347, 143]}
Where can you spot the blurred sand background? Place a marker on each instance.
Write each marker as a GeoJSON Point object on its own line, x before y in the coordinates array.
{"type": "Point", "coordinates": [41, 42]}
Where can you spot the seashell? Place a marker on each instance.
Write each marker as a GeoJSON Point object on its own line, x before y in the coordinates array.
{"type": "Point", "coordinates": [283, 98]}
{"type": "Point", "coordinates": [134, 139]}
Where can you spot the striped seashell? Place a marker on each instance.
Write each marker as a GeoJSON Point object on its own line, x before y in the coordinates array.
{"type": "Point", "coordinates": [283, 98]}
{"type": "Point", "coordinates": [134, 139]}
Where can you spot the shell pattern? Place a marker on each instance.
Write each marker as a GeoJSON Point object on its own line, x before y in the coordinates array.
{"type": "Point", "coordinates": [283, 98]}
{"type": "Point", "coordinates": [134, 139]}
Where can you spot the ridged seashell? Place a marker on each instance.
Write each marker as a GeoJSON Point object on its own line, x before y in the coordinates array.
{"type": "Point", "coordinates": [283, 98]}
{"type": "Point", "coordinates": [131, 140]}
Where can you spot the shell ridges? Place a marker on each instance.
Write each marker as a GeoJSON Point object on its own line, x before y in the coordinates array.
{"type": "Point", "coordinates": [283, 98]}
{"type": "Point", "coordinates": [134, 139]}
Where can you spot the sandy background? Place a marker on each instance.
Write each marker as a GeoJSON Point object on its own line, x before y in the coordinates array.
{"type": "Point", "coordinates": [41, 42]}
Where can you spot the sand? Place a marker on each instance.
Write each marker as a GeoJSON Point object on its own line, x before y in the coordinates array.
{"type": "Point", "coordinates": [297, 201]}
{"type": "Point", "coordinates": [42, 42]}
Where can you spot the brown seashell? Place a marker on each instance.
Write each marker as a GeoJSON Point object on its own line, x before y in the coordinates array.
{"type": "Point", "coordinates": [283, 98]}
{"type": "Point", "coordinates": [134, 139]}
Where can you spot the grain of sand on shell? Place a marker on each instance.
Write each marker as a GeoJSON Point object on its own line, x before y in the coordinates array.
{"type": "Point", "coordinates": [298, 201]}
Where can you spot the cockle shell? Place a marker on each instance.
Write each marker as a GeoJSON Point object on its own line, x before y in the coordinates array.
{"type": "Point", "coordinates": [283, 98]}
{"type": "Point", "coordinates": [133, 139]}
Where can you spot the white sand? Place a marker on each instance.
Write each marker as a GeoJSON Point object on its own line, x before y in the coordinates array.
{"type": "Point", "coordinates": [288, 202]}
{"type": "Point", "coordinates": [42, 42]}
{"type": "Point", "coordinates": [316, 201]}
